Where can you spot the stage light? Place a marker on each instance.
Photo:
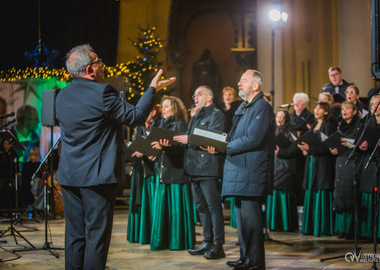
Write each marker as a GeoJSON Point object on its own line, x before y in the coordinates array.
{"type": "Point", "coordinates": [277, 18]}
{"type": "Point", "coordinates": [274, 15]}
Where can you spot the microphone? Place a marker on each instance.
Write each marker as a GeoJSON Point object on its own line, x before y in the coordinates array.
{"type": "Point", "coordinates": [8, 123]}
{"type": "Point", "coordinates": [122, 95]}
{"type": "Point", "coordinates": [287, 105]}
{"type": "Point", "coordinates": [7, 115]}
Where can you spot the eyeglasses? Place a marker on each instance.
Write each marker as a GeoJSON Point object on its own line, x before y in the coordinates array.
{"type": "Point", "coordinates": [196, 95]}
{"type": "Point", "coordinates": [97, 61]}
{"type": "Point", "coordinates": [350, 92]}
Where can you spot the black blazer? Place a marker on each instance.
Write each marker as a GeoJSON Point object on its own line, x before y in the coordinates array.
{"type": "Point", "coordinates": [91, 116]}
{"type": "Point", "coordinates": [198, 163]}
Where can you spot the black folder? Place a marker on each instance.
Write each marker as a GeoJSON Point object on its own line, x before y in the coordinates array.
{"type": "Point", "coordinates": [142, 145]}
{"type": "Point", "coordinates": [334, 141]}
{"type": "Point", "coordinates": [311, 139]}
{"type": "Point", "coordinates": [204, 137]}
{"type": "Point", "coordinates": [283, 141]}
{"type": "Point", "coordinates": [159, 133]}
{"type": "Point", "coordinates": [371, 135]}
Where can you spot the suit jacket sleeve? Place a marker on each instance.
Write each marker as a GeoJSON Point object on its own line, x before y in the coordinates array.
{"type": "Point", "coordinates": [125, 113]}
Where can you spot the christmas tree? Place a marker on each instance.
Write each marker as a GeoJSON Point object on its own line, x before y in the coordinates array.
{"type": "Point", "coordinates": [140, 72]}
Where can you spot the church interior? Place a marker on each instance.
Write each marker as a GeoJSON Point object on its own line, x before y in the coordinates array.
{"type": "Point", "coordinates": [200, 42]}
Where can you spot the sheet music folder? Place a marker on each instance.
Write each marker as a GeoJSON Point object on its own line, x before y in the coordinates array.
{"type": "Point", "coordinates": [159, 133]}
{"type": "Point", "coordinates": [204, 137]}
{"type": "Point", "coordinates": [143, 146]}
{"type": "Point", "coordinates": [311, 139]}
{"type": "Point", "coordinates": [371, 135]}
{"type": "Point", "coordinates": [7, 135]}
{"type": "Point", "coordinates": [334, 141]}
{"type": "Point", "coordinates": [283, 141]}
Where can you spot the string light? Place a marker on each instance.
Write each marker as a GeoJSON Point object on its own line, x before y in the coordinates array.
{"type": "Point", "coordinates": [137, 73]}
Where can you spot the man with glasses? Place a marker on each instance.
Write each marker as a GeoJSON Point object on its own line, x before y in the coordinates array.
{"type": "Point", "coordinates": [337, 86]}
{"type": "Point", "coordinates": [205, 169]}
{"type": "Point", "coordinates": [91, 116]}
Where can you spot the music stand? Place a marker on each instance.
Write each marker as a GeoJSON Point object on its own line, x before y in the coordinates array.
{"type": "Point", "coordinates": [46, 245]}
{"type": "Point", "coordinates": [15, 144]}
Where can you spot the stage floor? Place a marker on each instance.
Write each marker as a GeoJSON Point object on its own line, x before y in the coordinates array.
{"type": "Point", "coordinates": [305, 253]}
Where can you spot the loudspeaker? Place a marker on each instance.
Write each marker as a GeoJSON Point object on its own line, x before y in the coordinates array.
{"type": "Point", "coordinates": [375, 14]}
{"type": "Point", "coordinates": [48, 108]}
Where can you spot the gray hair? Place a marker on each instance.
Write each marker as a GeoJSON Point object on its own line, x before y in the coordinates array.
{"type": "Point", "coordinates": [208, 90]}
{"type": "Point", "coordinates": [302, 96]}
{"type": "Point", "coordinates": [77, 64]}
{"type": "Point", "coordinates": [257, 77]}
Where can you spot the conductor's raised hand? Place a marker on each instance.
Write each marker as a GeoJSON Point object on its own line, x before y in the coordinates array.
{"type": "Point", "coordinates": [158, 83]}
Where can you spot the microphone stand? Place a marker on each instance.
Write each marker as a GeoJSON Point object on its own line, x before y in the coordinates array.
{"type": "Point", "coordinates": [46, 245]}
{"type": "Point", "coordinates": [6, 135]}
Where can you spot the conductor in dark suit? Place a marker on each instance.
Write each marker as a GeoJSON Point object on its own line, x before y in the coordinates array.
{"type": "Point", "coordinates": [248, 169]}
{"type": "Point", "coordinates": [91, 116]}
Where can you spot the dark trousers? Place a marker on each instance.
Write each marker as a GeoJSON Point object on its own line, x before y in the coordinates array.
{"type": "Point", "coordinates": [207, 200]}
{"type": "Point", "coordinates": [89, 216]}
{"type": "Point", "coordinates": [250, 230]}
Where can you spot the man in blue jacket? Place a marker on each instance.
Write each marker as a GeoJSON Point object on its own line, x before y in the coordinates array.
{"type": "Point", "coordinates": [248, 169]}
{"type": "Point", "coordinates": [91, 116]}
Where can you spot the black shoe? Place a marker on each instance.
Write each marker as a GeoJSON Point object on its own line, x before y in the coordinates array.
{"type": "Point", "coordinates": [216, 252]}
{"type": "Point", "coordinates": [202, 249]}
{"type": "Point", "coordinates": [235, 263]}
{"type": "Point", "coordinates": [248, 267]}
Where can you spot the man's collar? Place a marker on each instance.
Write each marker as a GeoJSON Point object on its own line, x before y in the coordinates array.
{"type": "Point", "coordinates": [254, 99]}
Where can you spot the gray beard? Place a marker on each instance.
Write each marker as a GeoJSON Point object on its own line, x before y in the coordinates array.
{"type": "Point", "coordinates": [242, 95]}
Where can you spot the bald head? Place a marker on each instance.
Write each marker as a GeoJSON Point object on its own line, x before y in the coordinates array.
{"type": "Point", "coordinates": [203, 97]}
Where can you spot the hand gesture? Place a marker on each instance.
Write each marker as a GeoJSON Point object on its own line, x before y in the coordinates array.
{"type": "Point", "coordinates": [158, 83]}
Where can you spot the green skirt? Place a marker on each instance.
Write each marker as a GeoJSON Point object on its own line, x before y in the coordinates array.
{"type": "Point", "coordinates": [366, 215]}
{"type": "Point", "coordinates": [173, 219]}
{"type": "Point", "coordinates": [232, 212]}
{"type": "Point", "coordinates": [344, 222]}
{"type": "Point", "coordinates": [317, 218]}
{"type": "Point", "coordinates": [140, 221]}
{"type": "Point", "coordinates": [282, 211]}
